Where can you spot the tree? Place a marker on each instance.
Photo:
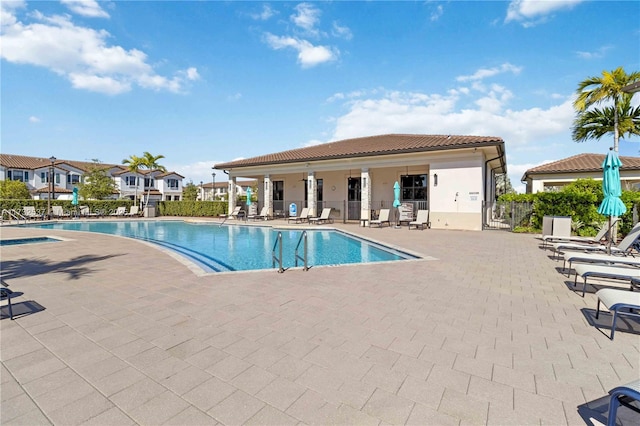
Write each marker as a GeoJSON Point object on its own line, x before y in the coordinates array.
{"type": "Point", "coordinates": [503, 185]}
{"type": "Point", "coordinates": [595, 123]}
{"type": "Point", "coordinates": [97, 183]}
{"type": "Point", "coordinates": [607, 88]}
{"type": "Point", "coordinates": [134, 163]}
{"type": "Point", "coordinates": [190, 192]}
{"type": "Point", "coordinates": [14, 189]}
{"type": "Point", "coordinates": [150, 162]}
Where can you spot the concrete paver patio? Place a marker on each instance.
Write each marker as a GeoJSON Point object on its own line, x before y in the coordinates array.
{"type": "Point", "coordinates": [487, 333]}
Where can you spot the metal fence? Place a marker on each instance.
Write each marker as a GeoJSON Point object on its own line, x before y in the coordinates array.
{"type": "Point", "coordinates": [506, 216]}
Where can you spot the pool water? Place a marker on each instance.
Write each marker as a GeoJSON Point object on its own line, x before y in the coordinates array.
{"type": "Point", "coordinates": [20, 241]}
{"type": "Point", "coordinates": [240, 248]}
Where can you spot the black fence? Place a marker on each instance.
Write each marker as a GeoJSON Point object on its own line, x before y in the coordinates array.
{"type": "Point", "coordinates": [506, 216]}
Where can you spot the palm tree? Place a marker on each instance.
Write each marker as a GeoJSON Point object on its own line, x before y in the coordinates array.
{"type": "Point", "coordinates": [595, 90]}
{"type": "Point", "coordinates": [595, 123]}
{"type": "Point", "coordinates": [134, 163]}
{"type": "Point", "coordinates": [150, 162]}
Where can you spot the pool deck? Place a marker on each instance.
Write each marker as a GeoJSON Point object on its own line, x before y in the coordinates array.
{"type": "Point", "coordinates": [117, 332]}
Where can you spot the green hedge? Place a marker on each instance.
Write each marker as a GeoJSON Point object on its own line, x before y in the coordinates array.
{"type": "Point", "coordinates": [192, 208]}
{"type": "Point", "coordinates": [94, 205]}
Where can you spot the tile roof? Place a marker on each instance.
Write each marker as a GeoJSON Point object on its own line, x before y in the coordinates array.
{"type": "Point", "coordinates": [581, 163]}
{"type": "Point", "coordinates": [367, 146]}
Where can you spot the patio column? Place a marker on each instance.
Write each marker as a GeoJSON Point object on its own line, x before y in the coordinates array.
{"type": "Point", "coordinates": [365, 200]}
{"type": "Point", "coordinates": [232, 194]}
{"type": "Point", "coordinates": [312, 194]}
{"type": "Point", "coordinates": [268, 195]}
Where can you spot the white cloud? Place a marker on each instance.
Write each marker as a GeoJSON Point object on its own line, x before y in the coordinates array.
{"type": "Point", "coordinates": [34, 119]}
{"type": "Point", "coordinates": [532, 12]}
{"type": "Point", "coordinates": [308, 54]}
{"type": "Point", "coordinates": [342, 32]}
{"type": "Point", "coordinates": [88, 8]}
{"type": "Point", "coordinates": [81, 54]}
{"type": "Point", "coordinates": [306, 17]}
{"type": "Point", "coordinates": [597, 54]}
{"type": "Point", "coordinates": [483, 73]}
{"type": "Point", "coordinates": [437, 13]}
{"type": "Point", "coordinates": [264, 15]}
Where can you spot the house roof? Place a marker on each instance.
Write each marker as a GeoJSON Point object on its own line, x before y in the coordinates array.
{"type": "Point", "coordinates": [367, 146]}
{"type": "Point", "coordinates": [12, 161]}
{"type": "Point", "coordinates": [580, 163]}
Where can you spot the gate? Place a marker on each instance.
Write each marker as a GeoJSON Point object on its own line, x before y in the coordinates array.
{"type": "Point", "coordinates": [506, 216]}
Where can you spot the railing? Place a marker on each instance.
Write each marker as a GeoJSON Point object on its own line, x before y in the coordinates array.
{"type": "Point", "coordinates": [13, 215]}
{"type": "Point", "coordinates": [303, 237]}
{"type": "Point", "coordinates": [278, 258]}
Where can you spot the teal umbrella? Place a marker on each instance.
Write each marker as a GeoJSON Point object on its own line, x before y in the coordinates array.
{"type": "Point", "coordinates": [74, 201]}
{"type": "Point", "coordinates": [396, 194]}
{"type": "Point", "coordinates": [612, 205]}
{"type": "Point", "coordinates": [248, 195]}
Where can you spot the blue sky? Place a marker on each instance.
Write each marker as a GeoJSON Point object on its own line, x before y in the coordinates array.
{"type": "Point", "coordinates": [208, 82]}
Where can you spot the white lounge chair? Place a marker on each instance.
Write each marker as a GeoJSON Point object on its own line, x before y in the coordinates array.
{"type": "Point", "coordinates": [547, 239]}
{"type": "Point", "coordinates": [615, 301]}
{"type": "Point", "coordinates": [623, 246]}
{"type": "Point", "coordinates": [264, 214]}
{"type": "Point", "coordinates": [630, 391]}
{"type": "Point", "coordinates": [133, 211]}
{"type": "Point", "coordinates": [57, 211]}
{"type": "Point", "coordinates": [325, 216]}
{"type": "Point", "coordinates": [30, 212]}
{"type": "Point", "coordinates": [599, 259]}
{"type": "Point", "coordinates": [422, 220]}
{"type": "Point", "coordinates": [382, 219]}
{"type": "Point", "coordinates": [611, 272]}
{"type": "Point", "coordinates": [120, 211]}
{"type": "Point", "coordinates": [85, 212]}
{"type": "Point", "coordinates": [303, 217]}
{"type": "Point", "coordinates": [560, 227]}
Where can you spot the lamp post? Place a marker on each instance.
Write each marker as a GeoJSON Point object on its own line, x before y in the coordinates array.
{"type": "Point", "coordinates": [51, 187]}
{"type": "Point", "coordinates": [213, 186]}
{"type": "Point", "coordinates": [201, 192]}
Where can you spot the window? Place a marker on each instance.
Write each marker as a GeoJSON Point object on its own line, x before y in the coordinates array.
{"type": "Point", "coordinates": [130, 180]}
{"type": "Point", "coordinates": [414, 187]}
{"type": "Point", "coordinates": [148, 182]}
{"type": "Point", "coordinates": [319, 185]}
{"type": "Point", "coordinates": [20, 175]}
{"type": "Point", "coordinates": [44, 177]}
{"type": "Point", "coordinates": [73, 179]}
{"type": "Point", "coordinates": [172, 183]}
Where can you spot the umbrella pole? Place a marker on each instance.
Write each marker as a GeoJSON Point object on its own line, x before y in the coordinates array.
{"type": "Point", "coordinates": [610, 237]}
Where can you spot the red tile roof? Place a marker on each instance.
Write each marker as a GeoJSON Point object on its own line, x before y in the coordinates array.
{"type": "Point", "coordinates": [581, 163]}
{"type": "Point", "coordinates": [367, 146]}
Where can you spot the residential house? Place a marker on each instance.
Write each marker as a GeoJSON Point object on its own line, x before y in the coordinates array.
{"type": "Point", "coordinates": [451, 176]}
{"type": "Point", "coordinates": [221, 189]}
{"type": "Point", "coordinates": [555, 175]}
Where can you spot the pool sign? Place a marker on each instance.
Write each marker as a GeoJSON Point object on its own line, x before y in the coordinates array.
{"type": "Point", "coordinates": [293, 210]}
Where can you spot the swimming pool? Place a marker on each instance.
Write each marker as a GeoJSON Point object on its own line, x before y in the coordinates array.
{"type": "Point", "coordinates": [32, 240]}
{"type": "Point", "coordinates": [241, 248]}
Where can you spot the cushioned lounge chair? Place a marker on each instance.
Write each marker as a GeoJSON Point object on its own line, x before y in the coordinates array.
{"type": "Point", "coordinates": [547, 239]}
{"type": "Point", "coordinates": [120, 211]}
{"type": "Point", "coordinates": [382, 219]}
{"type": "Point", "coordinates": [57, 211]}
{"type": "Point", "coordinates": [422, 220]}
{"type": "Point", "coordinates": [599, 259]}
{"type": "Point", "coordinates": [617, 301]}
{"type": "Point", "coordinates": [134, 211]}
{"type": "Point", "coordinates": [30, 212]}
{"type": "Point", "coordinates": [85, 212]}
{"type": "Point", "coordinates": [264, 214]}
{"type": "Point", "coordinates": [611, 272]}
{"type": "Point", "coordinates": [303, 217]}
{"type": "Point", "coordinates": [623, 246]}
{"type": "Point", "coordinates": [325, 216]}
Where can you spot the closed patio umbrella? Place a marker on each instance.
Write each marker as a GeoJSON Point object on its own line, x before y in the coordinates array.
{"type": "Point", "coordinates": [612, 205]}
{"type": "Point", "coordinates": [248, 195]}
{"type": "Point", "coordinates": [396, 198]}
{"type": "Point", "coordinates": [74, 200]}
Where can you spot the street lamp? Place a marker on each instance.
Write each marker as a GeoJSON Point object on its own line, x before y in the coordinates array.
{"type": "Point", "coordinates": [213, 186]}
{"type": "Point", "coordinates": [201, 192]}
{"type": "Point", "coordinates": [52, 189]}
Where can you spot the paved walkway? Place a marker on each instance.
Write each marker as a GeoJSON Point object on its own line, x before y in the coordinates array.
{"type": "Point", "coordinates": [488, 333]}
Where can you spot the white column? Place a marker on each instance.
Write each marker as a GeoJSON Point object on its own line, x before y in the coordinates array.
{"type": "Point", "coordinates": [312, 194]}
{"type": "Point", "coordinates": [232, 194]}
{"type": "Point", "coordinates": [268, 195]}
{"type": "Point", "coordinates": [365, 202]}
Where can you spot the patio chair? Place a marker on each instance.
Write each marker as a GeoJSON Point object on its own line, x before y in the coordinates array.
{"type": "Point", "coordinates": [57, 211]}
{"type": "Point", "coordinates": [598, 258]}
{"type": "Point", "coordinates": [325, 216]}
{"type": "Point", "coordinates": [422, 220]}
{"type": "Point", "coordinates": [303, 217]}
{"type": "Point", "coordinates": [120, 211]}
{"type": "Point", "coordinates": [602, 233]}
{"type": "Point", "coordinates": [611, 272]}
{"type": "Point", "coordinates": [133, 211]}
{"type": "Point", "coordinates": [30, 212]}
{"type": "Point", "coordinates": [264, 214]}
{"type": "Point", "coordinates": [623, 246]}
{"type": "Point", "coordinates": [616, 301]}
{"type": "Point", "coordinates": [5, 293]}
{"type": "Point", "coordinates": [382, 219]}
{"type": "Point", "coordinates": [629, 392]}
{"type": "Point", "coordinates": [85, 212]}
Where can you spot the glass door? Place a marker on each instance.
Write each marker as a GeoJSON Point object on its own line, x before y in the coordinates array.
{"type": "Point", "coordinates": [354, 196]}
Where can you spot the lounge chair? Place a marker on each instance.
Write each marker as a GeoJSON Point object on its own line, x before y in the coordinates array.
{"type": "Point", "coordinates": [120, 211]}
{"type": "Point", "coordinates": [303, 217]}
{"type": "Point", "coordinates": [57, 211]}
{"type": "Point", "coordinates": [133, 211]}
{"type": "Point", "coordinates": [382, 218]}
{"type": "Point", "coordinates": [5, 293]}
{"type": "Point", "coordinates": [422, 220]}
{"type": "Point", "coordinates": [623, 246]}
{"type": "Point", "coordinates": [611, 272]}
{"type": "Point", "coordinates": [264, 214]}
{"type": "Point", "coordinates": [325, 216]}
{"type": "Point", "coordinates": [598, 258]}
{"type": "Point", "coordinates": [85, 212]}
{"type": "Point", "coordinates": [560, 227]}
{"type": "Point", "coordinates": [617, 300]}
{"type": "Point", "coordinates": [30, 212]}
{"type": "Point", "coordinates": [547, 239]}
{"type": "Point", "coordinates": [630, 391]}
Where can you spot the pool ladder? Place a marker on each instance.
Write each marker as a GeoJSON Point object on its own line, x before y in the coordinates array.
{"type": "Point", "coordinates": [278, 258]}
{"type": "Point", "coordinates": [13, 215]}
